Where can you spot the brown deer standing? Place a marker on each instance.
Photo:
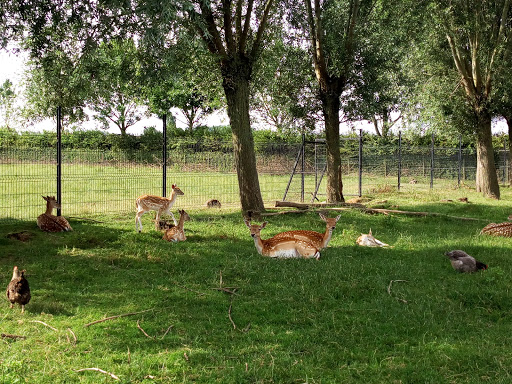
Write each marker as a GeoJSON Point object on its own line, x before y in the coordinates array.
{"type": "Point", "coordinates": [146, 203]}
{"type": "Point", "coordinates": [50, 223]}
{"type": "Point", "coordinates": [177, 233]}
{"type": "Point", "coordinates": [282, 247]}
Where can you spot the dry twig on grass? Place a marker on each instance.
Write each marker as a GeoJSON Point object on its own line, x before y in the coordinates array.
{"type": "Point", "coordinates": [389, 289]}
{"type": "Point", "coordinates": [166, 332]}
{"type": "Point", "coordinates": [49, 326]}
{"type": "Point", "coordinates": [117, 316]}
{"type": "Point", "coordinates": [143, 331]}
{"type": "Point", "coordinates": [99, 370]}
{"type": "Point", "coordinates": [8, 336]}
{"type": "Point", "coordinates": [74, 336]}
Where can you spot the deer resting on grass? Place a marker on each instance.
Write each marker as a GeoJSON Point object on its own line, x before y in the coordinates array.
{"type": "Point", "coordinates": [177, 233]}
{"type": "Point", "coordinates": [50, 223]}
{"type": "Point", "coordinates": [146, 203]}
{"type": "Point", "coordinates": [281, 247]}
{"type": "Point", "coordinates": [319, 240]}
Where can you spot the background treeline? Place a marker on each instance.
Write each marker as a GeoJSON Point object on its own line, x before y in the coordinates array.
{"type": "Point", "coordinates": [151, 139]}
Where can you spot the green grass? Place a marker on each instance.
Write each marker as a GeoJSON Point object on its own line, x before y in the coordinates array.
{"type": "Point", "coordinates": [297, 321]}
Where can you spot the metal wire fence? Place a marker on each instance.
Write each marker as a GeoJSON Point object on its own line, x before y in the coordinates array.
{"type": "Point", "coordinates": [108, 181]}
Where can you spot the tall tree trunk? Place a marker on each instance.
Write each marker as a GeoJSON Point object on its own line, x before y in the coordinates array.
{"type": "Point", "coordinates": [236, 78]}
{"type": "Point", "coordinates": [509, 123]}
{"type": "Point", "coordinates": [331, 110]}
{"type": "Point", "coordinates": [486, 176]}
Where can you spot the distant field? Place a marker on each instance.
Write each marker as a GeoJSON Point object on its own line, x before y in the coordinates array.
{"type": "Point", "coordinates": [91, 189]}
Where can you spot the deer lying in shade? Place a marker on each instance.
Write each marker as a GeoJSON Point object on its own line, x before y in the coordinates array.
{"type": "Point", "coordinates": [50, 223]}
{"type": "Point", "coordinates": [282, 247]}
{"type": "Point", "coordinates": [177, 233]}
{"type": "Point", "coordinates": [161, 205]}
{"type": "Point", "coordinates": [319, 240]}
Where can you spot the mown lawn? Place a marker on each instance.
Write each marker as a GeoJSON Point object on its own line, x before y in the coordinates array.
{"type": "Point", "coordinates": [212, 310]}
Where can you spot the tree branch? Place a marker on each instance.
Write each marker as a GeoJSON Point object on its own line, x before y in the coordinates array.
{"type": "Point", "coordinates": [247, 25]}
{"type": "Point", "coordinates": [261, 28]}
{"type": "Point", "coordinates": [216, 40]}
{"type": "Point", "coordinates": [228, 32]}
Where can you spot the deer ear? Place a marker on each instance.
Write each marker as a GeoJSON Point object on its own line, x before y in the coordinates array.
{"type": "Point", "coordinates": [264, 224]}
{"type": "Point", "coordinates": [338, 217]}
{"type": "Point", "coordinates": [248, 223]}
{"type": "Point", "coordinates": [370, 233]}
{"type": "Point", "coordinates": [322, 216]}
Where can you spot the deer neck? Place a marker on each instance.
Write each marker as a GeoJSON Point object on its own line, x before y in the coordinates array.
{"type": "Point", "coordinates": [181, 222]}
{"type": "Point", "coordinates": [327, 236]}
{"type": "Point", "coordinates": [259, 244]}
{"type": "Point", "coordinates": [49, 208]}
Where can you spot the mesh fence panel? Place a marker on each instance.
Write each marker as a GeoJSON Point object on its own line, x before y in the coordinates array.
{"type": "Point", "coordinates": [109, 181]}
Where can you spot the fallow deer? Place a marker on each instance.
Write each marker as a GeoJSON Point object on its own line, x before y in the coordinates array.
{"type": "Point", "coordinates": [50, 223]}
{"type": "Point", "coordinates": [281, 247]}
{"type": "Point", "coordinates": [161, 205]}
{"type": "Point", "coordinates": [177, 233]}
{"type": "Point", "coordinates": [319, 240]}
{"type": "Point", "coordinates": [500, 229]}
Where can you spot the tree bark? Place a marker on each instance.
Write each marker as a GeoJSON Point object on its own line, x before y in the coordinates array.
{"type": "Point", "coordinates": [236, 74]}
{"type": "Point", "coordinates": [331, 107]}
{"type": "Point", "coordinates": [486, 176]}
{"type": "Point", "coordinates": [509, 124]}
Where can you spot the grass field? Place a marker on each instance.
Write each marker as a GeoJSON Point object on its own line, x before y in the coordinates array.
{"type": "Point", "coordinates": [358, 315]}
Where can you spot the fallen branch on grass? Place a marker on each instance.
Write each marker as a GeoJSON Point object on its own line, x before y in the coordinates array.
{"type": "Point", "coordinates": [143, 331]}
{"type": "Point", "coordinates": [316, 205]}
{"type": "Point", "coordinates": [345, 206]}
{"type": "Point", "coordinates": [74, 336]}
{"type": "Point", "coordinates": [99, 370]}
{"type": "Point", "coordinates": [117, 316]}
{"type": "Point", "coordinates": [49, 326]}
{"type": "Point", "coordinates": [8, 336]}
{"type": "Point", "coordinates": [389, 289]}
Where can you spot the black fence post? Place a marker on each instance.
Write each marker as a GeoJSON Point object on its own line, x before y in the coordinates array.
{"type": "Point", "coordinates": [164, 156]}
{"type": "Point", "coordinates": [432, 163]}
{"type": "Point", "coordinates": [59, 158]}
{"type": "Point", "coordinates": [399, 158]}
{"type": "Point", "coordinates": [459, 165]}
{"type": "Point", "coordinates": [504, 161]}
{"type": "Point", "coordinates": [360, 162]}
{"type": "Point", "coordinates": [303, 167]}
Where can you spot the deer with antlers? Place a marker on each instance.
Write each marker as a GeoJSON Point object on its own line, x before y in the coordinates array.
{"type": "Point", "coordinates": [161, 205]}
{"type": "Point", "coordinates": [281, 247]}
{"type": "Point", "coordinates": [319, 240]}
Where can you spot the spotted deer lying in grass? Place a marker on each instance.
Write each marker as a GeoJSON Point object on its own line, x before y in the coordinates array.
{"type": "Point", "coordinates": [50, 223]}
{"type": "Point", "coordinates": [319, 240]}
{"type": "Point", "coordinates": [177, 233]}
{"type": "Point", "coordinates": [282, 247]}
{"type": "Point", "coordinates": [161, 205]}
{"type": "Point", "coordinates": [367, 240]}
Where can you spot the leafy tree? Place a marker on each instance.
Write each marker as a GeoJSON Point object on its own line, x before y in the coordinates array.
{"type": "Point", "coordinates": [56, 79]}
{"type": "Point", "coordinates": [192, 88]}
{"type": "Point", "coordinates": [477, 42]}
{"type": "Point", "coordinates": [7, 99]}
{"type": "Point", "coordinates": [380, 87]}
{"type": "Point", "coordinates": [334, 28]}
{"type": "Point", "coordinates": [284, 97]}
{"type": "Point", "coordinates": [115, 95]}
